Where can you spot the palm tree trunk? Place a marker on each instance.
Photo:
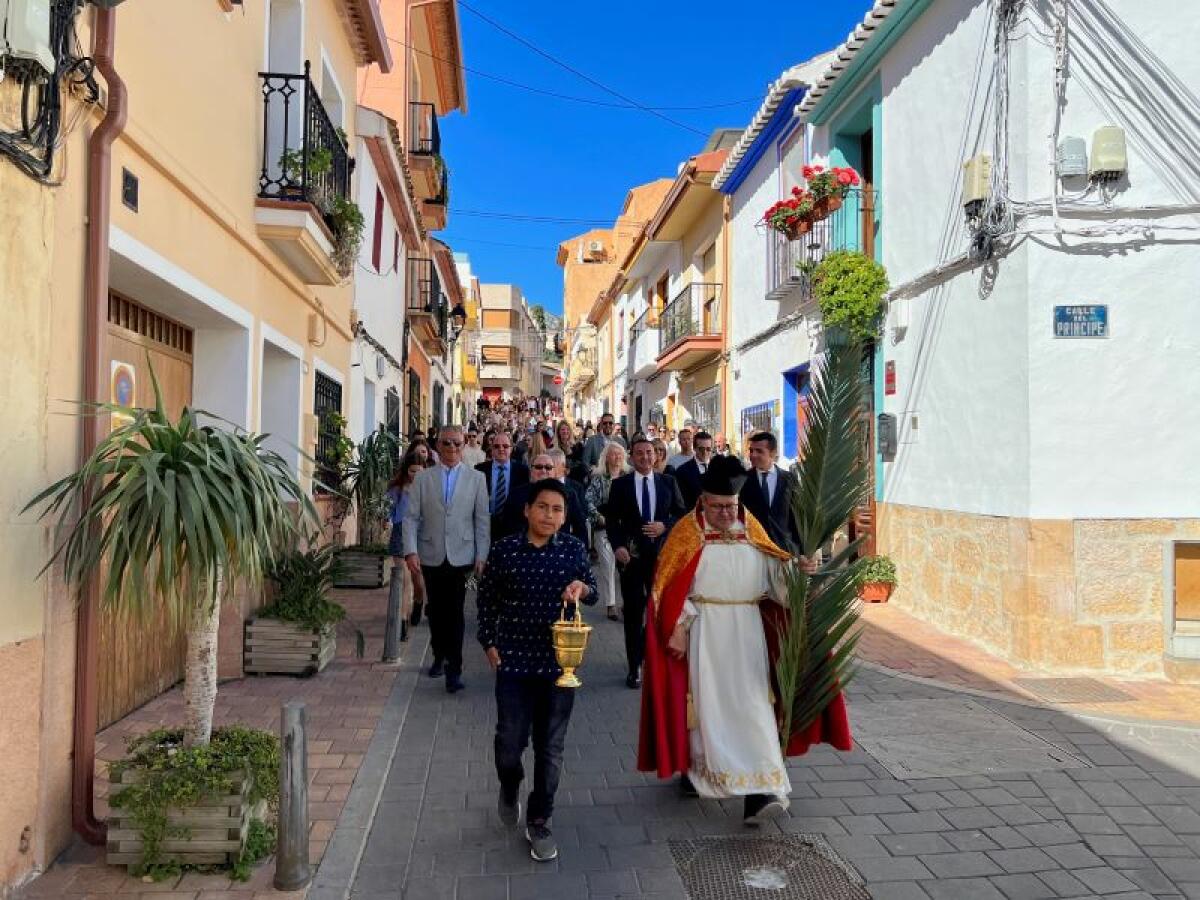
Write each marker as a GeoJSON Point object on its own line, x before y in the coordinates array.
{"type": "Point", "coordinates": [200, 673]}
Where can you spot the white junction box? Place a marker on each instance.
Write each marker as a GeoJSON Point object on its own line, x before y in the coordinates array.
{"type": "Point", "coordinates": [25, 32]}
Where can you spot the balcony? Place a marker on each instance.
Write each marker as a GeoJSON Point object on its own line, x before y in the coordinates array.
{"type": "Point", "coordinates": [852, 227]}
{"type": "Point", "coordinates": [426, 305]}
{"type": "Point", "coordinates": [690, 331]}
{"type": "Point", "coordinates": [305, 173]}
{"type": "Point", "coordinates": [433, 211]}
{"type": "Point", "coordinates": [425, 150]}
{"type": "Point", "coordinates": [643, 344]}
{"type": "Point", "coordinates": [493, 371]}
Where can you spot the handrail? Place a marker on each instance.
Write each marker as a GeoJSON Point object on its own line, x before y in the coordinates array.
{"type": "Point", "coordinates": [695, 312]}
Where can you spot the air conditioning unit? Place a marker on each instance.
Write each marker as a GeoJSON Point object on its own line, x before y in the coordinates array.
{"type": "Point", "coordinates": [381, 365]}
{"type": "Point", "coordinates": [595, 249]}
{"type": "Point", "coordinates": [25, 32]}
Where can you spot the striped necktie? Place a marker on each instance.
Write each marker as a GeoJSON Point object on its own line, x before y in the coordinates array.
{"type": "Point", "coordinates": [501, 490]}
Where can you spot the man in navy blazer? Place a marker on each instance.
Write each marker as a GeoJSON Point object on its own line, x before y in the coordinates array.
{"type": "Point", "coordinates": [689, 474]}
{"type": "Point", "coordinates": [642, 507]}
{"type": "Point", "coordinates": [547, 465]}
{"type": "Point", "coordinates": [767, 492]}
{"type": "Point", "coordinates": [503, 474]}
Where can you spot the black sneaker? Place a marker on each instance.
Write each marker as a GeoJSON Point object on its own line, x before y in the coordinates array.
{"type": "Point", "coordinates": [541, 842]}
{"type": "Point", "coordinates": [686, 788]}
{"type": "Point", "coordinates": [757, 808]}
{"type": "Point", "coordinates": [508, 810]}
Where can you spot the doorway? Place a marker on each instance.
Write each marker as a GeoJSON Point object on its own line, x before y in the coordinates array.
{"type": "Point", "coordinates": [138, 660]}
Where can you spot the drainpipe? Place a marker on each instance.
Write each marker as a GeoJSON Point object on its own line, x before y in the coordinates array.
{"type": "Point", "coordinates": [726, 309]}
{"type": "Point", "coordinates": [95, 314]}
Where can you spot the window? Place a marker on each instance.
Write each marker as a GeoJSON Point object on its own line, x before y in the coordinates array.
{"type": "Point", "coordinates": [758, 418]}
{"type": "Point", "coordinates": [706, 410]}
{"type": "Point", "coordinates": [439, 395]}
{"type": "Point", "coordinates": [377, 234]}
{"type": "Point", "coordinates": [391, 412]}
{"type": "Point", "coordinates": [414, 402]}
{"type": "Point", "coordinates": [327, 406]}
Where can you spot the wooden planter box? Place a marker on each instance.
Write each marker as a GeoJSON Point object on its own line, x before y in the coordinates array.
{"type": "Point", "coordinates": [283, 648]}
{"type": "Point", "coordinates": [215, 835]}
{"type": "Point", "coordinates": [363, 570]}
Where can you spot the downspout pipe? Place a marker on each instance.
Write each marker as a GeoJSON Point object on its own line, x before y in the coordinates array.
{"type": "Point", "coordinates": [95, 315]}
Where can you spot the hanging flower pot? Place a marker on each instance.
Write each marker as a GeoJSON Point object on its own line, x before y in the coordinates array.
{"type": "Point", "coordinates": [797, 228]}
{"type": "Point", "coordinates": [826, 206]}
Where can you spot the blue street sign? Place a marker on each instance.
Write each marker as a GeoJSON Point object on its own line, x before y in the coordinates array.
{"type": "Point", "coordinates": [1081, 321]}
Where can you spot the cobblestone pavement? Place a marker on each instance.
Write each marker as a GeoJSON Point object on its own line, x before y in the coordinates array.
{"type": "Point", "coordinates": [1123, 822]}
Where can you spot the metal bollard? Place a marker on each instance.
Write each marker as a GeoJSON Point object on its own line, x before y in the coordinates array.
{"type": "Point", "coordinates": [391, 634]}
{"type": "Point", "coordinates": [292, 871]}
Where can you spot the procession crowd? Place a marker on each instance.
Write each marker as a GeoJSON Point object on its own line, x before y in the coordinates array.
{"type": "Point", "coordinates": [538, 513]}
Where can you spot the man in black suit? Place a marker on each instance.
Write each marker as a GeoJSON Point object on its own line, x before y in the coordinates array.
{"type": "Point", "coordinates": [689, 474]}
{"type": "Point", "coordinates": [547, 465]}
{"type": "Point", "coordinates": [767, 493]}
{"type": "Point", "coordinates": [503, 475]}
{"type": "Point", "coordinates": [642, 507]}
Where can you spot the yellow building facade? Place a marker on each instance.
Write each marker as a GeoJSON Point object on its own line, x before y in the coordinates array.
{"type": "Point", "coordinates": [226, 274]}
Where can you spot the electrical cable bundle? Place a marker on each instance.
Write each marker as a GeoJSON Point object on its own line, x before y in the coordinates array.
{"type": "Point", "coordinates": [31, 147]}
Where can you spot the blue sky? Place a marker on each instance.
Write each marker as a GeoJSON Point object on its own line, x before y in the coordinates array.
{"type": "Point", "coordinates": [528, 154]}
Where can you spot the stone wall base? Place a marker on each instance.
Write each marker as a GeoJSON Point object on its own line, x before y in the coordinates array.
{"type": "Point", "coordinates": [1083, 595]}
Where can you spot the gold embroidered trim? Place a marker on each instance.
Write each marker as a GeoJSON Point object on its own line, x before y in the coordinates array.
{"type": "Point", "coordinates": [693, 721]}
{"type": "Point", "coordinates": [768, 778]}
{"type": "Point", "coordinates": [717, 601]}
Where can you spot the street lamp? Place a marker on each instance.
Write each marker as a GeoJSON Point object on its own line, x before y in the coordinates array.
{"type": "Point", "coordinates": [458, 320]}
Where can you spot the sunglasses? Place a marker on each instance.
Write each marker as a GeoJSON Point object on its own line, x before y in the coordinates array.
{"type": "Point", "coordinates": [538, 468]}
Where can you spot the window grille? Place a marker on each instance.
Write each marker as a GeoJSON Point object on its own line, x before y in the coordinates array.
{"type": "Point", "coordinates": [706, 410]}
{"type": "Point", "coordinates": [327, 402]}
{"type": "Point", "coordinates": [758, 418]}
{"type": "Point", "coordinates": [414, 403]}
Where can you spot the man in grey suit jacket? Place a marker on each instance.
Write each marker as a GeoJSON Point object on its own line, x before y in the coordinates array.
{"type": "Point", "coordinates": [447, 531]}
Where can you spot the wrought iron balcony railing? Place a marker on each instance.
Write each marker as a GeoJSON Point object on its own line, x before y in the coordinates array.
{"type": "Point", "coordinates": [424, 293]}
{"type": "Point", "coordinates": [695, 312]}
{"type": "Point", "coordinates": [648, 319]}
{"type": "Point", "coordinates": [304, 156]}
{"type": "Point", "coordinates": [424, 137]}
{"type": "Point", "coordinates": [852, 227]}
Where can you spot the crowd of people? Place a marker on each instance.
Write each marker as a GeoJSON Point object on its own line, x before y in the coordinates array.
{"type": "Point", "coordinates": [537, 511]}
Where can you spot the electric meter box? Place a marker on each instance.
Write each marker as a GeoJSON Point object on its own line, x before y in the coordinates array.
{"type": "Point", "coordinates": [1072, 157]}
{"type": "Point", "coordinates": [977, 178]}
{"type": "Point", "coordinates": [25, 32]}
{"type": "Point", "coordinates": [1109, 158]}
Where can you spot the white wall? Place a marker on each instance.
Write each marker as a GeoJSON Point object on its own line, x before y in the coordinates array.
{"type": "Point", "coordinates": [1011, 420]}
{"type": "Point", "coordinates": [282, 386]}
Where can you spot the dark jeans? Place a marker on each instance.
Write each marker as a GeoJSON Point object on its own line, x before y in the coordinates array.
{"type": "Point", "coordinates": [445, 592]}
{"type": "Point", "coordinates": [635, 588]}
{"type": "Point", "coordinates": [525, 704]}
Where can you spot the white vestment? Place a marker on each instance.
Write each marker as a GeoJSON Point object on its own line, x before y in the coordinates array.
{"type": "Point", "coordinates": [733, 737]}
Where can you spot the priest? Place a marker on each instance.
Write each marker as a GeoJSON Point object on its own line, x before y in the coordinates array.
{"type": "Point", "coordinates": [710, 709]}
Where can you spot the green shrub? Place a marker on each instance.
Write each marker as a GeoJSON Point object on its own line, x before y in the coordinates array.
{"type": "Point", "coordinates": [173, 775]}
{"type": "Point", "coordinates": [302, 582]}
{"type": "Point", "coordinates": [877, 570]}
{"type": "Point", "coordinates": [849, 287]}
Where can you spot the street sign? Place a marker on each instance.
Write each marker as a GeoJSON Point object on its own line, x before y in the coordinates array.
{"type": "Point", "coordinates": [1089, 321]}
{"type": "Point", "coordinates": [558, 379]}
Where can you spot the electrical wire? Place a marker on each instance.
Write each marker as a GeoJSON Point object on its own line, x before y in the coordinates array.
{"type": "Point", "coordinates": [571, 98]}
{"type": "Point", "coordinates": [523, 217]}
{"type": "Point", "coordinates": [588, 78]}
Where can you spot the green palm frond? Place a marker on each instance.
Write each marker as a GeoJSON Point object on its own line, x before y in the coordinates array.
{"type": "Point", "coordinates": [817, 650]}
{"type": "Point", "coordinates": [367, 479]}
{"type": "Point", "coordinates": [176, 509]}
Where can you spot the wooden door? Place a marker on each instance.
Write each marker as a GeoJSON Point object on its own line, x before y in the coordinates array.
{"type": "Point", "coordinates": [139, 659]}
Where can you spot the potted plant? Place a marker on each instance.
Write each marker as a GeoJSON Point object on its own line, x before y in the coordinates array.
{"type": "Point", "coordinates": [296, 633]}
{"type": "Point", "coordinates": [791, 217]}
{"type": "Point", "coordinates": [347, 223]}
{"type": "Point", "coordinates": [829, 187]}
{"type": "Point", "coordinates": [849, 287]}
{"type": "Point", "coordinates": [877, 579]}
{"type": "Point", "coordinates": [291, 164]}
{"type": "Point", "coordinates": [365, 479]}
{"type": "Point", "coordinates": [172, 513]}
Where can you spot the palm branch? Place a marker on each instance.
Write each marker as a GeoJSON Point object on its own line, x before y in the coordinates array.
{"type": "Point", "coordinates": [816, 651]}
{"type": "Point", "coordinates": [367, 479]}
{"type": "Point", "coordinates": [179, 512]}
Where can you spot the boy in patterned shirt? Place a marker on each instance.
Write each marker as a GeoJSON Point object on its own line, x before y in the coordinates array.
{"type": "Point", "coordinates": [528, 578]}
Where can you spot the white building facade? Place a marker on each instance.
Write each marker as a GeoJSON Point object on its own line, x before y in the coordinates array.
{"type": "Point", "coordinates": [1039, 357]}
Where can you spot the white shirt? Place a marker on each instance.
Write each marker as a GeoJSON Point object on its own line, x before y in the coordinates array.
{"type": "Point", "coordinates": [679, 459]}
{"type": "Point", "coordinates": [638, 479]}
{"type": "Point", "coordinates": [772, 482]}
{"type": "Point", "coordinates": [703, 466]}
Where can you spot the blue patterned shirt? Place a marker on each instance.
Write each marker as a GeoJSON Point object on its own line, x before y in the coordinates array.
{"type": "Point", "coordinates": [521, 596]}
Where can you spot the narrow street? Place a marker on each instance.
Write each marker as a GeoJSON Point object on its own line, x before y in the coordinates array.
{"type": "Point", "coordinates": [1068, 809]}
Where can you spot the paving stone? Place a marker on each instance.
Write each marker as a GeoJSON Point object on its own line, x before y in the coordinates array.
{"type": "Point", "coordinates": [482, 887]}
{"type": "Point", "coordinates": [550, 884]}
{"type": "Point", "coordinates": [916, 844]}
{"type": "Point", "coordinates": [1112, 845]}
{"type": "Point", "coordinates": [973, 817]}
{"type": "Point", "coordinates": [1074, 856]}
{"type": "Point", "coordinates": [880, 868]}
{"type": "Point", "coordinates": [961, 864]}
{"type": "Point", "coordinates": [1104, 880]}
{"type": "Point", "coordinates": [1024, 887]}
{"type": "Point", "coordinates": [899, 890]}
{"type": "Point", "coordinates": [911, 823]}
{"type": "Point", "coordinates": [962, 889]}
{"type": "Point", "coordinates": [1023, 859]}
{"type": "Point", "coordinates": [1064, 884]}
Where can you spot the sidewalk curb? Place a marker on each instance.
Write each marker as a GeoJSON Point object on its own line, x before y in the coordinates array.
{"type": "Point", "coordinates": [335, 875]}
{"type": "Point", "coordinates": [1123, 721]}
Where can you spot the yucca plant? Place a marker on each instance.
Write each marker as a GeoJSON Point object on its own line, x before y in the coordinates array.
{"type": "Point", "coordinates": [367, 479]}
{"type": "Point", "coordinates": [179, 513]}
{"type": "Point", "coordinates": [816, 653]}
